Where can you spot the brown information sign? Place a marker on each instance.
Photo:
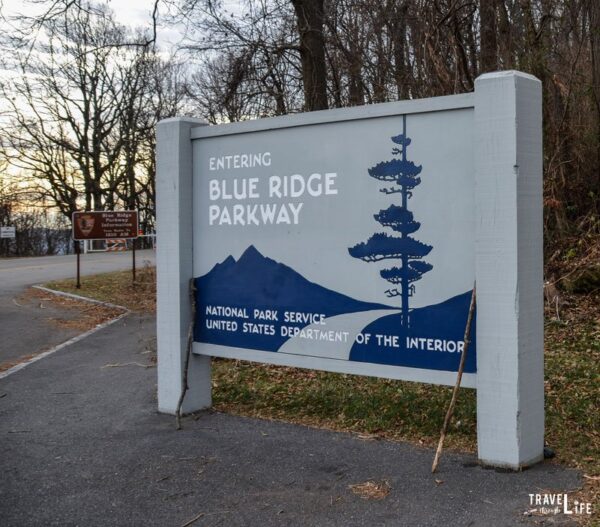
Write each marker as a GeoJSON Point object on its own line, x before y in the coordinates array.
{"type": "Point", "coordinates": [96, 225]}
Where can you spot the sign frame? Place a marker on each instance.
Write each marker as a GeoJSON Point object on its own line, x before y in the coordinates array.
{"type": "Point", "coordinates": [507, 150]}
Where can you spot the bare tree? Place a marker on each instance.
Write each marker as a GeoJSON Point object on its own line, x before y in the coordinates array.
{"type": "Point", "coordinates": [594, 14]}
{"type": "Point", "coordinates": [39, 230]}
{"type": "Point", "coordinates": [87, 135]}
{"type": "Point", "coordinates": [247, 65]}
{"type": "Point", "coordinates": [489, 52]}
{"type": "Point", "coordinates": [82, 110]}
{"type": "Point", "coordinates": [378, 51]}
{"type": "Point", "coordinates": [310, 20]}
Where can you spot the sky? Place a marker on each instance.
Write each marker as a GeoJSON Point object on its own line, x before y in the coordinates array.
{"type": "Point", "coordinates": [133, 13]}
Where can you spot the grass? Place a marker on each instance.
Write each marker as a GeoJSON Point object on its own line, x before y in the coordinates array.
{"type": "Point", "coordinates": [572, 384]}
{"type": "Point", "coordinates": [380, 408]}
{"type": "Point", "coordinates": [116, 288]}
{"type": "Point", "coordinates": [368, 406]}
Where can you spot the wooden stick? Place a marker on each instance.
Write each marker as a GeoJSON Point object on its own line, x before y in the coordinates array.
{"type": "Point", "coordinates": [461, 367]}
{"type": "Point", "coordinates": [202, 515]}
{"type": "Point", "coordinates": [190, 336]}
{"type": "Point", "coordinates": [194, 519]}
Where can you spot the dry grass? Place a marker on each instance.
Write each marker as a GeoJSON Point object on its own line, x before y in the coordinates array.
{"type": "Point", "coordinates": [572, 352]}
{"type": "Point", "coordinates": [572, 390]}
{"type": "Point", "coordinates": [10, 363]}
{"type": "Point", "coordinates": [117, 288]}
{"type": "Point", "coordinates": [87, 316]}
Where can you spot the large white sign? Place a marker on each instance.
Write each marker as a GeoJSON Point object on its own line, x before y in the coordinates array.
{"type": "Point", "coordinates": [346, 241]}
{"type": "Point", "coordinates": [350, 240]}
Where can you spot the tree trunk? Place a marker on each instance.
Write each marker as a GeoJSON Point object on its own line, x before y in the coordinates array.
{"type": "Point", "coordinates": [399, 42]}
{"type": "Point", "coordinates": [310, 17]}
{"type": "Point", "coordinates": [489, 52]}
{"type": "Point", "coordinates": [505, 38]}
{"type": "Point", "coordinates": [594, 7]}
{"type": "Point", "coordinates": [356, 92]}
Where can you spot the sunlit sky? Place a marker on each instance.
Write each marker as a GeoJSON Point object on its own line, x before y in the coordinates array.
{"type": "Point", "coordinates": [133, 13]}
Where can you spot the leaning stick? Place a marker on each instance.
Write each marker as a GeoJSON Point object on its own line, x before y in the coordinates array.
{"type": "Point", "coordinates": [184, 386]}
{"type": "Point", "coordinates": [461, 367]}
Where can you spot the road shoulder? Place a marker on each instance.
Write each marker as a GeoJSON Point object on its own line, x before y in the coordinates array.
{"type": "Point", "coordinates": [84, 444]}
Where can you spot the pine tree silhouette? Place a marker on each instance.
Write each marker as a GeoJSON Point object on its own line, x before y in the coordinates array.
{"type": "Point", "coordinates": [381, 246]}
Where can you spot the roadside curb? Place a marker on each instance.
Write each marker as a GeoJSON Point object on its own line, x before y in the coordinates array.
{"type": "Point", "coordinates": [72, 340]}
{"type": "Point", "coordinates": [78, 297]}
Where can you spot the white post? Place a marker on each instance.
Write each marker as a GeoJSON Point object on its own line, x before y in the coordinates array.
{"type": "Point", "coordinates": [508, 268]}
{"type": "Point", "coordinates": [174, 258]}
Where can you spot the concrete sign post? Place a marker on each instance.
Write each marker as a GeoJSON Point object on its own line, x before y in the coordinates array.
{"type": "Point", "coordinates": [509, 269]}
{"type": "Point", "coordinates": [174, 266]}
{"type": "Point", "coordinates": [349, 240]}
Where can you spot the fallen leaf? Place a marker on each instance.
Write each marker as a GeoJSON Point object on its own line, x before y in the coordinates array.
{"type": "Point", "coordinates": [371, 490]}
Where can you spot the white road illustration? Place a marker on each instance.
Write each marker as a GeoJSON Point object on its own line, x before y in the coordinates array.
{"type": "Point", "coordinates": [349, 324]}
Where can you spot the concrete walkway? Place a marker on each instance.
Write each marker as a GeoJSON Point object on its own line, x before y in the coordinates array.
{"type": "Point", "coordinates": [83, 444]}
{"type": "Point", "coordinates": [26, 326]}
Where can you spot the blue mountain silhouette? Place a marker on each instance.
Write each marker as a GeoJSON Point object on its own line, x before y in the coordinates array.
{"type": "Point", "coordinates": [253, 282]}
{"type": "Point", "coordinates": [444, 321]}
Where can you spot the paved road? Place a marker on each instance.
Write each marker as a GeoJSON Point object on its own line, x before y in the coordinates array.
{"type": "Point", "coordinates": [83, 444]}
{"type": "Point", "coordinates": [28, 326]}
{"type": "Point", "coordinates": [18, 273]}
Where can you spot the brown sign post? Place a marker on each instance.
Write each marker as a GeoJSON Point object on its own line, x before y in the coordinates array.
{"type": "Point", "coordinates": [104, 225]}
